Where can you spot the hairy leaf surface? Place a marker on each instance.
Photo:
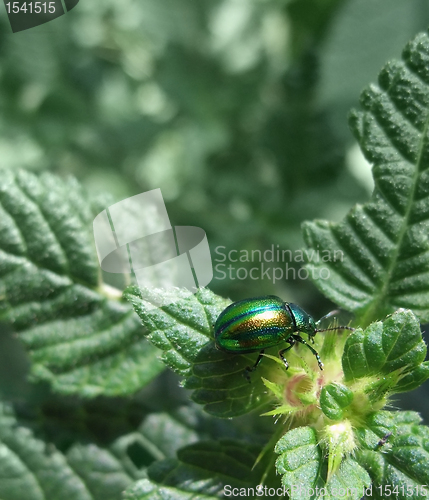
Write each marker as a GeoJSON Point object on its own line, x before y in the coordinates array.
{"type": "Point", "coordinates": [78, 338]}
{"type": "Point", "coordinates": [395, 453]}
{"type": "Point", "coordinates": [393, 348]}
{"type": "Point", "coordinates": [301, 466]}
{"type": "Point", "coordinates": [33, 470]}
{"type": "Point", "coordinates": [201, 471]}
{"type": "Point", "coordinates": [379, 254]}
{"type": "Point", "coordinates": [184, 331]}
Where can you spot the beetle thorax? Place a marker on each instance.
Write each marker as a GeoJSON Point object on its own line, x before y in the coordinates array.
{"type": "Point", "coordinates": [303, 321]}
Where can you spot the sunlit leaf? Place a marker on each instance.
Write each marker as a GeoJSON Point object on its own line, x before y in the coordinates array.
{"type": "Point", "coordinates": [184, 331]}
{"type": "Point", "coordinates": [379, 254]}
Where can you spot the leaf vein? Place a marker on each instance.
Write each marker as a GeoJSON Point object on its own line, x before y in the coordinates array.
{"type": "Point", "coordinates": [352, 258]}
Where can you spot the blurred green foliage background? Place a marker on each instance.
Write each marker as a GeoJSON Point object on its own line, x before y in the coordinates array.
{"type": "Point", "coordinates": [236, 109]}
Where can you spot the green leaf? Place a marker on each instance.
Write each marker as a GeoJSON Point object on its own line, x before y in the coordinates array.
{"type": "Point", "coordinates": [147, 490]}
{"type": "Point", "coordinates": [94, 473]}
{"type": "Point", "coordinates": [348, 482]}
{"type": "Point", "coordinates": [187, 424]}
{"type": "Point", "coordinates": [167, 433]}
{"type": "Point", "coordinates": [202, 471]}
{"type": "Point", "coordinates": [395, 453]}
{"type": "Point", "coordinates": [334, 398]}
{"type": "Point", "coordinates": [392, 346]}
{"type": "Point", "coordinates": [184, 331]}
{"type": "Point", "coordinates": [35, 470]}
{"type": "Point", "coordinates": [80, 337]}
{"type": "Point", "coordinates": [301, 465]}
{"type": "Point", "coordinates": [299, 462]}
{"type": "Point", "coordinates": [379, 254]}
{"type": "Point", "coordinates": [159, 436]}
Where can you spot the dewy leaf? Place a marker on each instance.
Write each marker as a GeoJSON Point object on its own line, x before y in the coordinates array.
{"type": "Point", "coordinates": [78, 338]}
{"type": "Point", "coordinates": [202, 471]}
{"type": "Point", "coordinates": [395, 453]}
{"type": "Point", "coordinates": [184, 331]}
{"type": "Point", "coordinates": [395, 344]}
{"type": "Point", "coordinates": [378, 256]}
{"type": "Point", "coordinates": [33, 470]}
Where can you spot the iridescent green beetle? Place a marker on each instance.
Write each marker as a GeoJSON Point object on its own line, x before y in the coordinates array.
{"type": "Point", "coordinates": [259, 323]}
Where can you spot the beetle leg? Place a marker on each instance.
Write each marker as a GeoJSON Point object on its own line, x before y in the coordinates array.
{"type": "Point", "coordinates": [249, 369]}
{"type": "Point", "coordinates": [302, 341]}
{"type": "Point", "coordinates": [291, 341]}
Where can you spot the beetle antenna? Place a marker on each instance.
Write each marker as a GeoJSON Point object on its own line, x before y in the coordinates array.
{"type": "Point", "coordinates": [329, 315]}
{"type": "Point", "coordinates": [336, 328]}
